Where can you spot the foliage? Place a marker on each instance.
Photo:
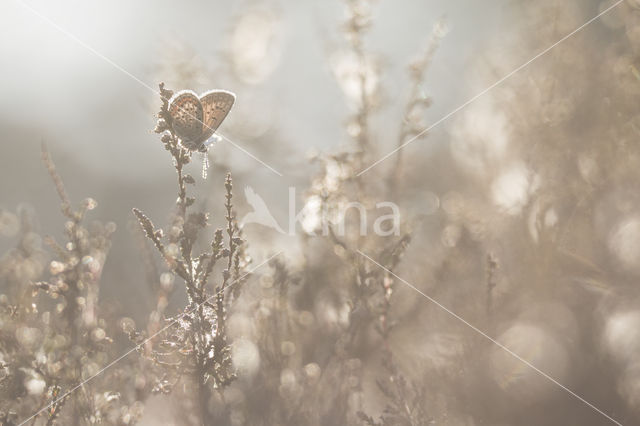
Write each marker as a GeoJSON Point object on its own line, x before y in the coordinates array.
{"type": "Point", "coordinates": [531, 245]}
{"type": "Point", "coordinates": [53, 334]}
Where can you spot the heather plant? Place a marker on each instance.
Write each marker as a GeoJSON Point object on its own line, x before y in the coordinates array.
{"type": "Point", "coordinates": [365, 287]}
{"type": "Point", "coordinates": [323, 327]}
{"type": "Point", "coordinates": [54, 336]}
{"type": "Point", "coordinates": [192, 349]}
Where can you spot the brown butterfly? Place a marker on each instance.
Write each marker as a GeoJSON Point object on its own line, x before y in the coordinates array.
{"type": "Point", "coordinates": [195, 118]}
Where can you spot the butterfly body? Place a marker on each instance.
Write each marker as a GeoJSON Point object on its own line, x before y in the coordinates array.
{"type": "Point", "coordinates": [196, 118]}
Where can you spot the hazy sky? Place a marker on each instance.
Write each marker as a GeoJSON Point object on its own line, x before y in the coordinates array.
{"type": "Point", "coordinates": [55, 89]}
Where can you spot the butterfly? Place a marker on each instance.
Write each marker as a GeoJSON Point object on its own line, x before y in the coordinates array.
{"type": "Point", "coordinates": [196, 118]}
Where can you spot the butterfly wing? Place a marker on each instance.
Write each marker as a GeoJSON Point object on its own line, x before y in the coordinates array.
{"type": "Point", "coordinates": [216, 105]}
{"type": "Point", "coordinates": [187, 116]}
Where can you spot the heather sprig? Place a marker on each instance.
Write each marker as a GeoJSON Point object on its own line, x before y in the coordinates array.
{"type": "Point", "coordinates": [54, 335]}
{"type": "Point", "coordinates": [194, 343]}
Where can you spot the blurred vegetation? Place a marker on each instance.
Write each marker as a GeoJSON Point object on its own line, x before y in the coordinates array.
{"type": "Point", "coordinates": [524, 221]}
